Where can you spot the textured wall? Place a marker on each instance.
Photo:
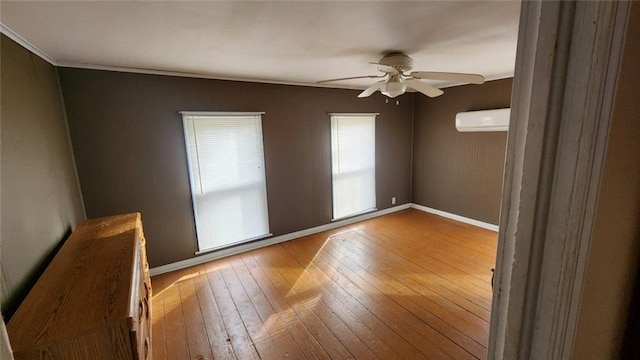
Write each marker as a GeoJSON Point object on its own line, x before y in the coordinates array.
{"type": "Point", "coordinates": [129, 147]}
{"type": "Point", "coordinates": [40, 197]}
{"type": "Point", "coordinates": [456, 172]}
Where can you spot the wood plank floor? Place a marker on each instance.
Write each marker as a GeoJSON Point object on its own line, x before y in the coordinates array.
{"type": "Point", "coordinates": [408, 285]}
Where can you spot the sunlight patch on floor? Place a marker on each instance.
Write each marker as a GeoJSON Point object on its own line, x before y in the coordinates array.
{"type": "Point", "coordinates": [277, 323]}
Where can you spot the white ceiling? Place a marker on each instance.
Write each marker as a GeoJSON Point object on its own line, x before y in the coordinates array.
{"type": "Point", "coordinates": [294, 42]}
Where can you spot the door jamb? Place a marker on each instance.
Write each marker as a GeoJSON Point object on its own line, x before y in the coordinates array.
{"type": "Point", "coordinates": [567, 64]}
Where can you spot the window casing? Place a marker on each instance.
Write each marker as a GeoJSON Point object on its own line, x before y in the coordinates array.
{"type": "Point", "coordinates": [353, 164]}
{"type": "Point", "coordinates": [227, 174]}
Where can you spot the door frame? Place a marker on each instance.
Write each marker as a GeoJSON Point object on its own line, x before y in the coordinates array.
{"type": "Point", "coordinates": [567, 66]}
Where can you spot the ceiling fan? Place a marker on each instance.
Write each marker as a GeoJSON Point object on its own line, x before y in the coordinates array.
{"type": "Point", "coordinates": [396, 82]}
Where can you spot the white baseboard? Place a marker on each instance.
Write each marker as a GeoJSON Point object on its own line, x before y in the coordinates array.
{"type": "Point", "coordinates": [206, 257]}
{"type": "Point", "coordinates": [451, 216]}
{"type": "Point", "coordinates": [271, 241]}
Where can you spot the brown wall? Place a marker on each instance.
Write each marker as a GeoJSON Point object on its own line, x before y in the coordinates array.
{"type": "Point", "coordinates": [40, 197]}
{"type": "Point", "coordinates": [129, 147]}
{"type": "Point", "coordinates": [615, 248]}
{"type": "Point", "coordinates": [460, 173]}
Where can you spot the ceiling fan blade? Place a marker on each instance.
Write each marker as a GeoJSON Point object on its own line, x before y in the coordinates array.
{"type": "Point", "coordinates": [447, 76]}
{"type": "Point", "coordinates": [351, 78]}
{"type": "Point", "coordinates": [371, 89]}
{"type": "Point", "coordinates": [386, 68]}
{"type": "Point", "coordinates": [430, 91]}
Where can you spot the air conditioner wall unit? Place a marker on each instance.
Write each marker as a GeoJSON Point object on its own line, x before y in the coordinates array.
{"type": "Point", "coordinates": [485, 120]}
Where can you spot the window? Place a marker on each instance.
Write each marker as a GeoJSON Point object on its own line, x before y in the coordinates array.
{"type": "Point", "coordinates": [353, 164]}
{"type": "Point", "coordinates": [226, 169]}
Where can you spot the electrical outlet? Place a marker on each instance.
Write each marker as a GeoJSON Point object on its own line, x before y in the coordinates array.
{"type": "Point", "coordinates": [393, 200]}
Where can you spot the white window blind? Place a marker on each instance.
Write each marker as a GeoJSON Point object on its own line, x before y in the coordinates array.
{"type": "Point", "coordinates": [226, 168]}
{"type": "Point", "coordinates": [353, 163]}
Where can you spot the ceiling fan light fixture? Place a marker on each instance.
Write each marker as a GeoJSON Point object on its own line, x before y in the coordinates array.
{"type": "Point", "coordinates": [395, 81]}
{"type": "Point", "coordinates": [394, 87]}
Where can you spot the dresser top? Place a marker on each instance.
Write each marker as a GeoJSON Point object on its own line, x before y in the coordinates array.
{"type": "Point", "coordinates": [86, 286]}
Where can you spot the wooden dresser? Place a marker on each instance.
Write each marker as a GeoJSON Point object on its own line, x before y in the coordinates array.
{"type": "Point", "coordinates": [93, 301]}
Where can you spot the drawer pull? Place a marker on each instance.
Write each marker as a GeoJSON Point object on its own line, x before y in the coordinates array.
{"type": "Point", "coordinates": [147, 290]}
{"type": "Point", "coordinates": [146, 348]}
{"type": "Point", "coordinates": [141, 311]}
{"type": "Point", "coordinates": [146, 305]}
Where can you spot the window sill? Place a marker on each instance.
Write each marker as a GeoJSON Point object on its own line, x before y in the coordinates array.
{"type": "Point", "coordinates": [237, 243]}
{"type": "Point", "coordinates": [355, 214]}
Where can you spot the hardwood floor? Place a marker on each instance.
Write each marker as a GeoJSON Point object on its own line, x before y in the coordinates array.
{"type": "Point", "coordinates": [408, 285]}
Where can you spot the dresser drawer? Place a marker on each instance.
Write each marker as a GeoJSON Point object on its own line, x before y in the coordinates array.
{"type": "Point", "coordinates": [141, 332]}
{"type": "Point", "coordinates": [93, 300]}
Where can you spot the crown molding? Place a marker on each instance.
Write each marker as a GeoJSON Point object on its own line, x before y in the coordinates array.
{"type": "Point", "coordinates": [10, 33]}
{"type": "Point", "coordinates": [26, 44]}
{"type": "Point", "coordinates": [195, 75]}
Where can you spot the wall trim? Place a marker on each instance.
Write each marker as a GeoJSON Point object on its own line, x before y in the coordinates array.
{"type": "Point", "coordinates": [75, 65]}
{"type": "Point", "coordinates": [271, 241]}
{"type": "Point", "coordinates": [459, 218]}
{"type": "Point", "coordinates": [26, 44]}
{"type": "Point", "coordinates": [10, 33]}
{"type": "Point", "coordinates": [567, 64]}
{"type": "Point", "coordinates": [210, 256]}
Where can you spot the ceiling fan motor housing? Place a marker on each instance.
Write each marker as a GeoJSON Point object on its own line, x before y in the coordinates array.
{"type": "Point", "coordinates": [399, 61]}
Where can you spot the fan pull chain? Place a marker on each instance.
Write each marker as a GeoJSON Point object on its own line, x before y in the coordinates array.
{"type": "Point", "coordinates": [387, 101]}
